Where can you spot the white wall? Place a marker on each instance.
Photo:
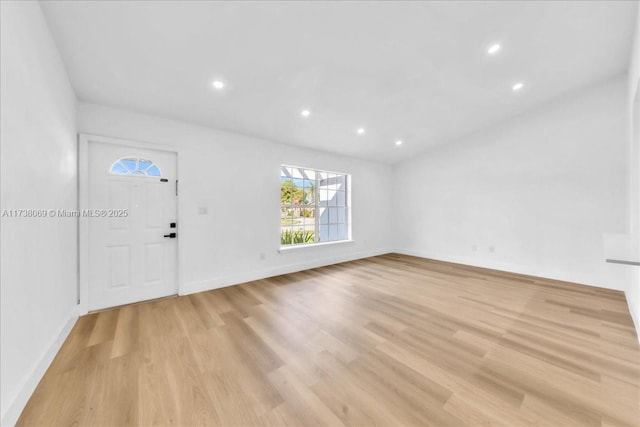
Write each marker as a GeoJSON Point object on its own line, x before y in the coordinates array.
{"type": "Point", "coordinates": [237, 179]}
{"type": "Point", "coordinates": [541, 189]}
{"type": "Point", "coordinates": [632, 289]}
{"type": "Point", "coordinates": [38, 163]}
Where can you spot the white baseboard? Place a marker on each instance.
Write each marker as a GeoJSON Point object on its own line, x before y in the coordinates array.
{"type": "Point", "coordinates": [234, 279]}
{"type": "Point", "coordinates": [15, 408]}
{"type": "Point", "coordinates": [509, 267]}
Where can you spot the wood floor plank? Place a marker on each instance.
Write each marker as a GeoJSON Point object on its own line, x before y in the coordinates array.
{"type": "Point", "coordinates": [387, 340]}
{"type": "Point", "coordinates": [305, 403]}
{"type": "Point", "coordinates": [125, 340]}
{"type": "Point", "coordinates": [105, 327]}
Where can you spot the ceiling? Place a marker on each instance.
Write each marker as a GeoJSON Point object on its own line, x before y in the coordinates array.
{"type": "Point", "coordinates": [415, 71]}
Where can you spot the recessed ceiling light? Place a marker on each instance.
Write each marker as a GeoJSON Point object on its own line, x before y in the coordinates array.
{"type": "Point", "coordinates": [305, 113]}
{"type": "Point", "coordinates": [217, 84]}
{"type": "Point", "coordinates": [360, 131]}
{"type": "Point", "coordinates": [493, 49]}
{"type": "Point", "coordinates": [518, 86]}
{"type": "Point", "coordinates": [399, 142]}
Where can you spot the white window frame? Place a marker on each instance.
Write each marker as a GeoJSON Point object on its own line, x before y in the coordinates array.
{"type": "Point", "coordinates": [316, 208]}
{"type": "Point", "coordinates": [130, 172]}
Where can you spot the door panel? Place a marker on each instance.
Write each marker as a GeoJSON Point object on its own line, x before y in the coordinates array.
{"type": "Point", "coordinates": [154, 203]}
{"type": "Point", "coordinates": [119, 266]}
{"type": "Point", "coordinates": [153, 261]}
{"type": "Point", "coordinates": [119, 197]}
{"type": "Point", "coordinates": [130, 260]}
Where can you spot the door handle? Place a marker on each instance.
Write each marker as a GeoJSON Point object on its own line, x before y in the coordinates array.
{"type": "Point", "coordinates": [171, 235]}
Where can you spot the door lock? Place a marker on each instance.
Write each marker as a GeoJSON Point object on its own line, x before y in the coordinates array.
{"type": "Point", "coordinates": [171, 235]}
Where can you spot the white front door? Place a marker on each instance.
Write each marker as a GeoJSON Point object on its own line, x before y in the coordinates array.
{"type": "Point", "coordinates": [133, 207]}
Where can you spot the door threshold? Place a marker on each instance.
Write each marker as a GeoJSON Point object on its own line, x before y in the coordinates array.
{"type": "Point", "coordinates": [117, 307]}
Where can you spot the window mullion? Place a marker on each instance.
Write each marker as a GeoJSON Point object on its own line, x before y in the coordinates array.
{"type": "Point", "coordinates": [347, 206]}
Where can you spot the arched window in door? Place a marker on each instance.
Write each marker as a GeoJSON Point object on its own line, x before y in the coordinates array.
{"type": "Point", "coordinates": [135, 166]}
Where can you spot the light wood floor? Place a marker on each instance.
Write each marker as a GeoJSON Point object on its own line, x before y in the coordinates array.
{"type": "Point", "coordinates": [389, 340]}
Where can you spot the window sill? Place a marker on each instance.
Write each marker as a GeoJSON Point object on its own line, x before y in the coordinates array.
{"type": "Point", "coordinates": [312, 245]}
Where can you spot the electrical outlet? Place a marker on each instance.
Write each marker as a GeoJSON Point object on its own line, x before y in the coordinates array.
{"type": "Point", "coordinates": [474, 247]}
{"type": "Point", "coordinates": [492, 249]}
{"type": "Point", "coordinates": [202, 210]}
{"type": "Point", "coordinates": [263, 256]}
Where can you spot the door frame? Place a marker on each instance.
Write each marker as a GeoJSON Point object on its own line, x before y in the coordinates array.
{"type": "Point", "coordinates": [83, 203]}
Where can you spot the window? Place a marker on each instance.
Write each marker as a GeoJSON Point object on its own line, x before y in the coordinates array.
{"type": "Point", "coordinates": [135, 166]}
{"type": "Point", "coordinates": [314, 206]}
